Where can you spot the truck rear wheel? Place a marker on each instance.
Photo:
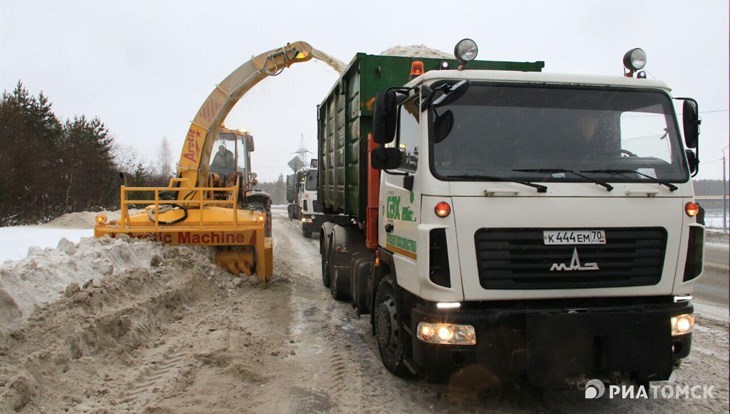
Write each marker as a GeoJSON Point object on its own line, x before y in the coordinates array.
{"type": "Point", "coordinates": [326, 266]}
{"type": "Point", "coordinates": [325, 243]}
{"type": "Point", "coordinates": [390, 335]}
{"type": "Point", "coordinates": [335, 282]}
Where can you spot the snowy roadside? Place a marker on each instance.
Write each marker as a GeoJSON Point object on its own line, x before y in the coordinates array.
{"type": "Point", "coordinates": [17, 242]}
{"type": "Point", "coordinates": [177, 332]}
{"type": "Point", "coordinates": [42, 263]}
{"type": "Point", "coordinates": [45, 274]}
{"type": "Point", "coordinates": [21, 241]}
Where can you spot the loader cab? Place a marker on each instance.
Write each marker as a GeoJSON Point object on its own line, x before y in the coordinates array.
{"type": "Point", "coordinates": [233, 157]}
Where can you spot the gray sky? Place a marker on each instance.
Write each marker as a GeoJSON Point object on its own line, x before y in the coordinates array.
{"type": "Point", "coordinates": [144, 68]}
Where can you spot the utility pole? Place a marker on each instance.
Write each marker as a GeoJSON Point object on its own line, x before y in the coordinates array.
{"type": "Point", "coordinates": [302, 151]}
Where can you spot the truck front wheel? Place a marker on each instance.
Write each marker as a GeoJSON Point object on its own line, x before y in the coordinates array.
{"type": "Point", "coordinates": [389, 333]}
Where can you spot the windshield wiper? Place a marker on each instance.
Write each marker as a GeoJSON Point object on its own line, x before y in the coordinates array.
{"type": "Point", "coordinates": [670, 186]}
{"type": "Point", "coordinates": [606, 185]}
{"type": "Point", "coordinates": [540, 188]}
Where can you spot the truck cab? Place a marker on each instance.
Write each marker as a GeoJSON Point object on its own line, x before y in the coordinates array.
{"type": "Point", "coordinates": [531, 225]}
{"type": "Point", "coordinates": [302, 198]}
{"type": "Point", "coordinates": [308, 202]}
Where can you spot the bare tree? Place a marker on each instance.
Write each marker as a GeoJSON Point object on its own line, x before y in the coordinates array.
{"type": "Point", "coordinates": [165, 159]}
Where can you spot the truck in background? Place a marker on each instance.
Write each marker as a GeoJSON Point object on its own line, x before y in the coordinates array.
{"type": "Point", "coordinates": [524, 224]}
{"type": "Point", "coordinates": [301, 194]}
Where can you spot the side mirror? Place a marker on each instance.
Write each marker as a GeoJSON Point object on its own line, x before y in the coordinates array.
{"type": "Point", "coordinates": [384, 117]}
{"type": "Point", "coordinates": [385, 158]}
{"type": "Point", "coordinates": [691, 122]}
{"type": "Point", "coordinates": [694, 163]}
{"type": "Point", "coordinates": [442, 126]}
{"type": "Point", "coordinates": [249, 143]}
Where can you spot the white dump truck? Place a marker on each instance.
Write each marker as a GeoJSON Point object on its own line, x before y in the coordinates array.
{"type": "Point", "coordinates": [532, 225]}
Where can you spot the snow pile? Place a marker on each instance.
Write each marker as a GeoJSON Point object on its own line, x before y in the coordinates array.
{"type": "Point", "coordinates": [46, 274]}
{"type": "Point", "coordinates": [416, 51]}
{"type": "Point", "coordinates": [16, 242]}
{"type": "Point", "coordinates": [83, 219]}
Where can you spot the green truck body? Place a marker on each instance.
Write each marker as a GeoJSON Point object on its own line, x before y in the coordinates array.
{"type": "Point", "coordinates": [344, 120]}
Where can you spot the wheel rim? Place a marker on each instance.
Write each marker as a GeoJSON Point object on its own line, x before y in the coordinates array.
{"type": "Point", "coordinates": [387, 325]}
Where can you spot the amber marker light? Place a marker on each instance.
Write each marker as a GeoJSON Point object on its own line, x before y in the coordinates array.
{"type": "Point", "coordinates": [101, 218]}
{"type": "Point", "coordinates": [692, 209]}
{"type": "Point", "coordinates": [442, 209]}
{"type": "Point", "coordinates": [416, 69]}
{"type": "Point", "coordinates": [261, 218]}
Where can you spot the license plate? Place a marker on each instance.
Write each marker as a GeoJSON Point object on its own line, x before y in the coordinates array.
{"type": "Point", "coordinates": [574, 237]}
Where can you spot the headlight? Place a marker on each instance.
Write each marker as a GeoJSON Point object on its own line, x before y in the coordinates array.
{"type": "Point", "coordinates": [446, 333]}
{"type": "Point", "coordinates": [466, 50]}
{"type": "Point", "coordinates": [101, 218]}
{"type": "Point", "coordinates": [635, 59]}
{"type": "Point", "coordinates": [682, 324]}
{"type": "Point", "coordinates": [306, 220]}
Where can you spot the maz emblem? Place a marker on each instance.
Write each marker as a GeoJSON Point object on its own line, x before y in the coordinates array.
{"type": "Point", "coordinates": [574, 265]}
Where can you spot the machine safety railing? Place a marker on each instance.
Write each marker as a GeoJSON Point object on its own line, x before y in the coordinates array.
{"type": "Point", "coordinates": [201, 197]}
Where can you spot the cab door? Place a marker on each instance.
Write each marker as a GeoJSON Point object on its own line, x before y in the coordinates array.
{"type": "Point", "coordinates": [399, 205]}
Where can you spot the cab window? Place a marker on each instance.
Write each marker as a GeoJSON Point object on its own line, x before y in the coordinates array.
{"type": "Point", "coordinates": [409, 134]}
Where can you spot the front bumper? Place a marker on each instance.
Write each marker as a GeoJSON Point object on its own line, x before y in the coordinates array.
{"type": "Point", "coordinates": [551, 342]}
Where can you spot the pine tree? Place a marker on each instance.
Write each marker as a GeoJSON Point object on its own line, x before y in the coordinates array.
{"type": "Point", "coordinates": [47, 167]}
{"type": "Point", "coordinates": [29, 157]}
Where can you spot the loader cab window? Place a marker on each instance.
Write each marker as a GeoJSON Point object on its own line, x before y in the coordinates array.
{"type": "Point", "coordinates": [224, 160]}
{"type": "Point", "coordinates": [242, 155]}
{"type": "Point", "coordinates": [409, 134]}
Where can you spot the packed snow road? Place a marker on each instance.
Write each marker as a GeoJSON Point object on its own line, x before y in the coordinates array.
{"type": "Point", "coordinates": [177, 335]}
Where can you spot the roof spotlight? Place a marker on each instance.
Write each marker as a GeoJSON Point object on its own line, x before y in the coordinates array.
{"type": "Point", "coordinates": [634, 59]}
{"type": "Point", "coordinates": [466, 51]}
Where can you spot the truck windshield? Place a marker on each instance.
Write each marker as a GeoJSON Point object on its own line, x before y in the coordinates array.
{"type": "Point", "coordinates": [530, 133]}
{"type": "Point", "coordinates": [311, 183]}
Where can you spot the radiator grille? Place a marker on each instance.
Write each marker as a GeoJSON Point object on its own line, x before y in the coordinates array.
{"type": "Point", "coordinates": [519, 259]}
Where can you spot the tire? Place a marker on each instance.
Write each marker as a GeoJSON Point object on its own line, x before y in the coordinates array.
{"type": "Point", "coordinates": [393, 341]}
{"type": "Point", "coordinates": [324, 245]}
{"type": "Point", "coordinates": [338, 291]}
{"type": "Point", "coordinates": [269, 222]}
{"type": "Point", "coordinates": [325, 262]}
{"type": "Point", "coordinates": [307, 231]}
